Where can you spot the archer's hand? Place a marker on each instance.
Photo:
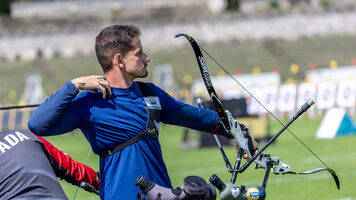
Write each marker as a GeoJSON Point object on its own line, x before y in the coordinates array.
{"type": "Point", "coordinates": [93, 83]}
{"type": "Point", "coordinates": [255, 146]}
{"type": "Point", "coordinates": [254, 143]}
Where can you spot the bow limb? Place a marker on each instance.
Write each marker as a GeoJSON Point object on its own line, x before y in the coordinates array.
{"type": "Point", "coordinates": [206, 77]}
{"type": "Point", "coordinates": [331, 171]}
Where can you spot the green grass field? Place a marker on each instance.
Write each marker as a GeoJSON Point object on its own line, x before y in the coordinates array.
{"type": "Point", "coordinates": [337, 153]}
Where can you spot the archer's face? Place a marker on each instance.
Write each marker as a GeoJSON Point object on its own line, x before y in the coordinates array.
{"type": "Point", "coordinates": [136, 60]}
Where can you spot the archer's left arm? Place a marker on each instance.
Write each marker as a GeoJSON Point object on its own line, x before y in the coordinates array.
{"type": "Point", "coordinates": [178, 113]}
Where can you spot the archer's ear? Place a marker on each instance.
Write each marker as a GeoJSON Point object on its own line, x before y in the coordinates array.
{"type": "Point", "coordinates": [117, 61]}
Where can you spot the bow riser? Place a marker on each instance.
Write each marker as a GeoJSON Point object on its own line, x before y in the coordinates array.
{"type": "Point", "coordinates": [239, 136]}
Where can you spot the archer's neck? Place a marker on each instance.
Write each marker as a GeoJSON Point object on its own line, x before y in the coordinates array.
{"type": "Point", "coordinates": [118, 80]}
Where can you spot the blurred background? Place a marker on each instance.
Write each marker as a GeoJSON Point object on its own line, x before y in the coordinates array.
{"type": "Point", "coordinates": [282, 51]}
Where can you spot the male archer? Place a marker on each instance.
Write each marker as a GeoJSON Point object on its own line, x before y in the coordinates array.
{"type": "Point", "coordinates": [121, 120]}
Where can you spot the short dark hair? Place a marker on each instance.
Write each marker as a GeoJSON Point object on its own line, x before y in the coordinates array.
{"type": "Point", "coordinates": [112, 40]}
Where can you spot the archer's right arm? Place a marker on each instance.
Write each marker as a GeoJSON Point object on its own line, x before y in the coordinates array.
{"type": "Point", "coordinates": [53, 116]}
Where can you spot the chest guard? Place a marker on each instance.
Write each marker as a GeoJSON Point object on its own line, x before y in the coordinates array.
{"type": "Point", "coordinates": [153, 107]}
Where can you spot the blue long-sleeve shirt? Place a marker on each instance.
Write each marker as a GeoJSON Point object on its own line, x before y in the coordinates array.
{"type": "Point", "coordinates": [107, 123]}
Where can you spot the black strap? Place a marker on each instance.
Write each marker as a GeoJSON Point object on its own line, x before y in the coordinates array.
{"type": "Point", "coordinates": [124, 145]}
{"type": "Point", "coordinates": [146, 90]}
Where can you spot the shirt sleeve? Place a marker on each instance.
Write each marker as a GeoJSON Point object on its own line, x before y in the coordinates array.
{"type": "Point", "coordinates": [181, 114]}
{"type": "Point", "coordinates": [68, 169]}
{"type": "Point", "coordinates": [53, 117]}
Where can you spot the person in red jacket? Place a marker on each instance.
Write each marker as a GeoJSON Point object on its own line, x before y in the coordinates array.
{"type": "Point", "coordinates": [30, 166]}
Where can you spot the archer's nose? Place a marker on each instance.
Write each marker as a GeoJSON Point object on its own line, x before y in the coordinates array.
{"type": "Point", "coordinates": [147, 58]}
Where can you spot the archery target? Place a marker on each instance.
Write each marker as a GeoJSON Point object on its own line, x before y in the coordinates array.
{"type": "Point", "coordinates": [326, 95]}
{"type": "Point", "coordinates": [346, 94]}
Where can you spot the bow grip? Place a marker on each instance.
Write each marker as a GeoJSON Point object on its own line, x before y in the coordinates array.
{"type": "Point", "coordinates": [242, 137]}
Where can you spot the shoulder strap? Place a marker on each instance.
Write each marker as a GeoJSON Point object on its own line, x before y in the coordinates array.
{"type": "Point", "coordinates": [124, 145]}
{"type": "Point", "coordinates": [146, 90]}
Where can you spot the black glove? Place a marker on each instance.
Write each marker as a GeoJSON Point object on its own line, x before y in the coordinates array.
{"type": "Point", "coordinates": [244, 130]}
{"type": "Point", "coordinates": [220, 130]}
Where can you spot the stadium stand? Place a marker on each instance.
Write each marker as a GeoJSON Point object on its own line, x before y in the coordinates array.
{"type": "Point", "coordinates": [62, 28]}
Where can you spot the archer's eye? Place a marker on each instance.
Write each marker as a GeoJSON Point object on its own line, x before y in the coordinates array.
{"type": "Point", "coordinates": [139, 53]}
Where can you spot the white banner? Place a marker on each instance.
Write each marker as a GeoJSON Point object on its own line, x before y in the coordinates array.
{"type": "Point", "coordinates": [326, 95]}
{"type": "Point", "coordinates": [345, 97]}
{"type": "Point", "coordinates": [232, 94]}
{"type": "Point", "coordinates": [287, 98]}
